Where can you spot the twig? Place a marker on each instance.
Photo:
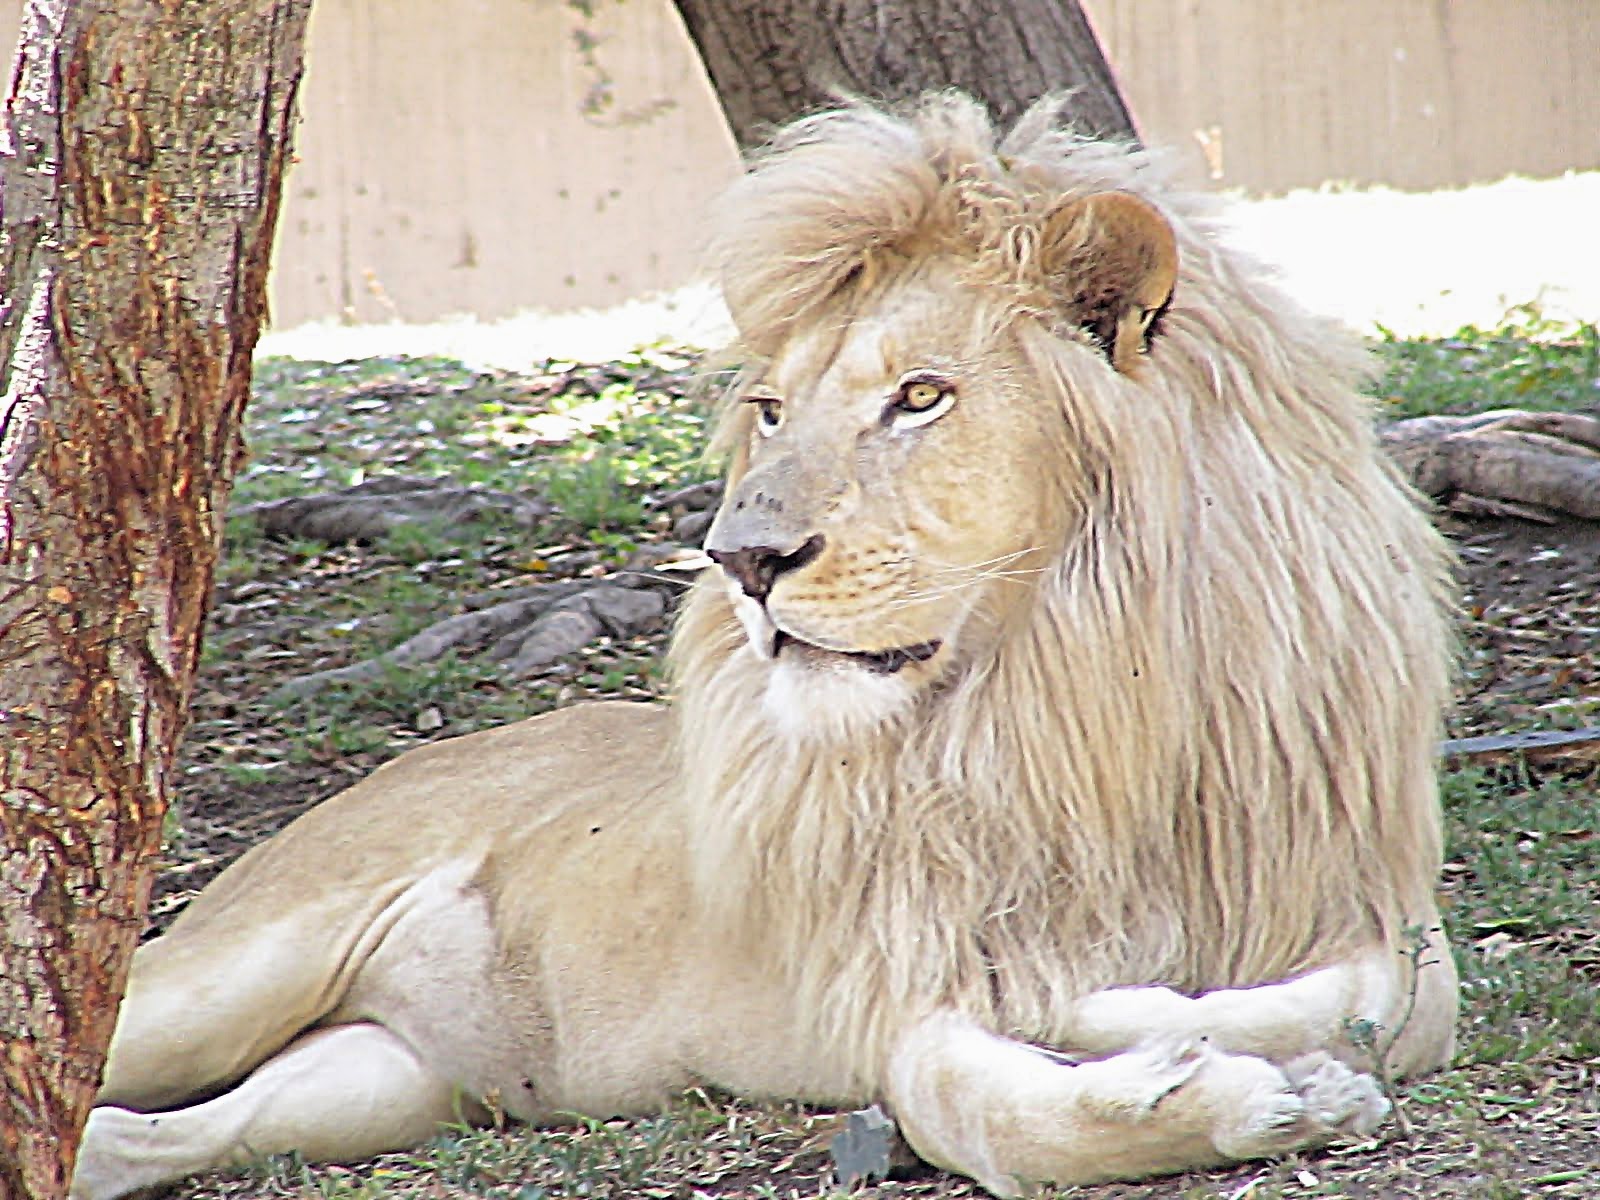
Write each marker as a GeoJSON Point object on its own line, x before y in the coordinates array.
{"type": "Point", "coordinates": [1367, 1034]}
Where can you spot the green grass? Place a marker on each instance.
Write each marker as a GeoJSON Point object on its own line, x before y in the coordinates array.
{"type": "Point", "coordinates": [318, 426]}
{"type": "Point", "coordinates": [595, 494]}
{"type": "Point", "coordinates": [1525, 878]}
{"type": "Point", "coordinates": [1527, 362]}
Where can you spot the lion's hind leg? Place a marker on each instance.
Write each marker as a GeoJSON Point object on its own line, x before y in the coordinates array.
{"type": "Point", "coordinates": [202, 1012]}
{"type": "Point", "coordinates": [337, 1094]}
{"type": "Point", "coordinates": [1011, 1116]}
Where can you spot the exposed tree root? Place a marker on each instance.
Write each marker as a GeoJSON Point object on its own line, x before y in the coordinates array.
{"type": "Point", "coordinates": [1535, 465]}
{"type": "Point", "coordinates": [368, 511]}
{"type": "Point", "coordinates": [524, 629]}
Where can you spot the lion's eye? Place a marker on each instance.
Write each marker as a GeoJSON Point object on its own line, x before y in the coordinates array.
{"type": "Point", "coordinates": [919, 400]}
{"type": "Point", "coordinates": [769, 413]}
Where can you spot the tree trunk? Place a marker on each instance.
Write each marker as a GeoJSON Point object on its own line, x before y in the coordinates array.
{"type": "Point", "coordinates": [770, 60]}
{"type": "Point", "coordinates": [140, 169]}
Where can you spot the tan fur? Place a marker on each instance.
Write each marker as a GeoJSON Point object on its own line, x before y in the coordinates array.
{"type": "Point", "coordinates": [1161, 768]}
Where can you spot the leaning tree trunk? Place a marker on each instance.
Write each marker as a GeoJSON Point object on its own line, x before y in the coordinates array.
{"type": "Point", "coordinates": [770, 60]}
{"type": "Point", "coordinates": [140, 168]}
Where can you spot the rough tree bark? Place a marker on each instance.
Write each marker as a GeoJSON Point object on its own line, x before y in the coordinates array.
{"type": "Point", "coordinates": [772, 59]}
{"type": "Point", "coordinates": [140, 167]}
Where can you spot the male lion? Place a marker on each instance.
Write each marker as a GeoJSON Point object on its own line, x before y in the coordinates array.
{"type": "Point", "coordinates": [1052, 761]}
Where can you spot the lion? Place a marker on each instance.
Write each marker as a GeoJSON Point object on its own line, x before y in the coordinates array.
{"type": "Point", "coordinates": [1052, 759]}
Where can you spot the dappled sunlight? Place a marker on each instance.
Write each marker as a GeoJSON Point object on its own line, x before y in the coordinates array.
{"type": "Point", "coordinates": [690, 316]}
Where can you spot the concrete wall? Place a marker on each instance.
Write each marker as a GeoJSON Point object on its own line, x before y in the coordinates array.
{"type": "Point", "coordinates": [488, 156]}
{"type": "Point", "coordinates": [1270, 95]}
{"type": "Point", "coordinates": [468, 156]}
{"type": "Point", "coordinates": [475, 156]}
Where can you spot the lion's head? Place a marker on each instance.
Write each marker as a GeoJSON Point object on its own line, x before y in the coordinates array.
{"type": "Point", "coordinates": [1070, 629]}
{"type": "Point", "coordinates": [889, 490]}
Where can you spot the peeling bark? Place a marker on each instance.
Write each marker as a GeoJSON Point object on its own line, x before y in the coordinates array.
{"type": "Point", "coordinates": [771, 60]}
{"type": "Point", "coordinates": [140, 166]}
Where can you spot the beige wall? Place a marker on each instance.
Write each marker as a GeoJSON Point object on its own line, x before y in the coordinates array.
{"type": "Point", "coordinates": [1410, 93]}
{"type": "Point", "coordinates": [447, 163]}
{"type": "Point", "coordinates": [450, 158]}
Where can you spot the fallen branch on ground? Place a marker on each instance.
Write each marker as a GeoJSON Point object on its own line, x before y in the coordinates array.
{"type": "Point", "coordinates": [1539, 466]}
{"type": "Point", "coordinates": [1562, 745]}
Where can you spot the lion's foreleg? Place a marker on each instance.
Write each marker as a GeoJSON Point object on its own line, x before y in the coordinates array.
{"type": "Point", "coordinates": [1411, 1000]}
{"type": "Point", "coordinates": [338, 1094]}
{"type": "Point", "coordinates": [1010, 1116]}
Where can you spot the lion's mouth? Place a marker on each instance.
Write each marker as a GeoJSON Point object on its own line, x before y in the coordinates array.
{"type": "Point", "coordinates": [883, 662]}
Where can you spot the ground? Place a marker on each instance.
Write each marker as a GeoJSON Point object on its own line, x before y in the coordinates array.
{"type": "Point", "coordinates": [611, 448]}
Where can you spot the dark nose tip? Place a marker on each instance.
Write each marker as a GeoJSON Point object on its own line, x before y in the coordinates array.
{"type": "Point", "coordinates": [756, 568]}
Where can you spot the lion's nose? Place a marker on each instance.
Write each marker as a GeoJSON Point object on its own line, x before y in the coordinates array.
{"type": "Point", "coordinates": [756, 568]}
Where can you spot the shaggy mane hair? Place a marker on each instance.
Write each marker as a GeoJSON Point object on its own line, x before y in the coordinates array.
{"type": "Point", "coordinates": [1202, 754]}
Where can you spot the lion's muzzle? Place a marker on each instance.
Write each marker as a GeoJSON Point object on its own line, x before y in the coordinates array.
{"type": "Point", "coordinates": [756, 568]}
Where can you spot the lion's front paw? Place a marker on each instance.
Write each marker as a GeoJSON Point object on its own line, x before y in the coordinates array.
{"type": "Point", "coordinates": [1267, 1116]}
{"type": "Point", "coordinates": [1313, 1100]}
{"type": "Point", "coordinates": [1338, 1101]}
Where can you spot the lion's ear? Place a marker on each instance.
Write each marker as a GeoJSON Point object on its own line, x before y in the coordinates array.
{"type": "Point", "coordinates": [1112, 259]}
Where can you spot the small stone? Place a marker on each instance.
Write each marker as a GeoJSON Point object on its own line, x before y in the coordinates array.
{"type": "Point", "coordinates": [862, 1151]}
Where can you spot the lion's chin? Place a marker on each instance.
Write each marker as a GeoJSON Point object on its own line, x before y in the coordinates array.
{"type": "Point", "coordinates": [827, 696]}
{"type": "Point", "coordinates": [879, 662]}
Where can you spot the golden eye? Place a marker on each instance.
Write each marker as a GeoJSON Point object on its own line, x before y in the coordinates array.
{"type": "Point", "coordinates": [921, 399]}
{"type": "Point", "coordinates": [920, 396]}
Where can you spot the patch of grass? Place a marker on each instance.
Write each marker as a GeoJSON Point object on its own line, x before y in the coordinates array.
{"type": "Point", "coordinates": [595, 493]}
{"type": "Point", "coordinates": [240, 562]}
{"type": "Point", "coordinates": [317, 426]}
{"type": "Point", "coordinates": [1527, 362]}
{"type": "Point", "coordinates": [415, 542]}
{"type": "Point", "coordinates": [465, 695]}
{"type": "Point", "coordinates": [1526, 887]}
{"type": "Point", "coordinates": [247, 774]}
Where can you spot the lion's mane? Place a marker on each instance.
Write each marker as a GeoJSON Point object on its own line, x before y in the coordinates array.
{"type": "Point", "coordinates": [1202, 754]}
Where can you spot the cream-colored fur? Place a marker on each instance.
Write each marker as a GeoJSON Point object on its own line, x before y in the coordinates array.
{"type": "Point", "coordinates": [1052, 759]}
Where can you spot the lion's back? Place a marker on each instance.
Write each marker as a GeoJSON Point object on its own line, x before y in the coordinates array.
{"type": "Point", "coordinates": [458, 798]}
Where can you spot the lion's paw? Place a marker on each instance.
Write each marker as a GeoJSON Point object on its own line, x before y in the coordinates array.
{"type": "Point", "coordinates": [1313, 1100]}
{"type": "Point", "coordinates": [1265, 1115]}
{"type": "Point", "coordinates": [1130, 1085]}
{"type": "Point", "coordinates": [1337, 1099]}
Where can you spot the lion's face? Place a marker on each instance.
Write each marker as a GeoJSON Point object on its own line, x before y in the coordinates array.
{"type": "Point", "coordinates": [885, 511]}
